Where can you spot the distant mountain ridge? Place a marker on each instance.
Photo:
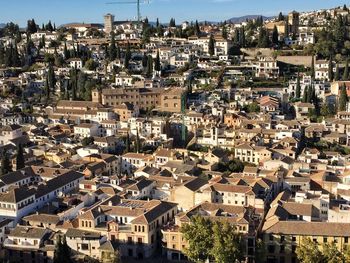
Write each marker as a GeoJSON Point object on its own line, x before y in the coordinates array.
{"type": "Point", "coordinates": [2, 25]}
{"type": "Point", "coordinates": [241, 19]}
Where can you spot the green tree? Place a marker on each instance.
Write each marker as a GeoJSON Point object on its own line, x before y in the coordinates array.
{"type": "Point", "coordinates": [343, 98]}
{"type": "Point", "coordinates": [6, 166]}
{"type": "Point", "coordinates": [263, 38]}
{"type": "Point", "coordinates": [62, 252]}
{"type": "Point", "coordinates": [87, 141]}
{"type": "Point", "coordinates": [31, 26]}
{"type": "Point", "coordinates": [172, 22]}
{"type": "Point", "coordinates": [211, 45]}
{"type": "Point", "coordinates": [227, 243]}
{"type": "Point", "coordinates": [331, 254]}
{"type": "Point", "coordinates": [252, 107]}
{"type": "Point", "coordinates": [346, 253]}
{"type": "Point", "coordinates": [20, 162]}
{"type": "Point", "coordinates": [49, 26]}
{"type": "Point", "coordinates": [236, 166]}
{"type": "Point", "coordinates": [90, 64]}
{"type": "Point", "coordinates": [199, 234]}
{"type": "Point", "coordinates": [308, 252]}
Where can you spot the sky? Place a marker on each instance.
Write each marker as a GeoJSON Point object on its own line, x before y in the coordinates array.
{"type": "Point", "coordinates": [89, 11]}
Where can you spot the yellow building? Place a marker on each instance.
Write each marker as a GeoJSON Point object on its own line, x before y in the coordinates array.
{"type": "Point", "coordinates": [281, 26]}
{"type": "Point", "coordinates": [282, 238]}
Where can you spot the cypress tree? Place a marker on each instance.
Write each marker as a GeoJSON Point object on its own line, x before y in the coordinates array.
{"type": "Point", "coordinates": [149, 66]}
{"type": "Point", "coordinates": [157, 66]}
{"type": "Point", "coordinates": [346, 71]}
{"type": "Point", "coordinates": [127, 143]}
{"type": "Point", "coordinates": [310, 94]}
{"type": "Point", "coordinates": [343, 99]}
{"type": "Point", "coordinates": [330, 69]}
{"type": "Point", "coordinates": [66, 52]}
{"type": "Point", "coordinates": [138, 145]}
{"type": "Point", "coordinates": [51, 78]}
{"type": "Point", "coordinates": [305, 95]}
{"type": "Point", "coordinates": [280, 17]}
{"type": "Point", "coordinates": [224, 32]}
{"type": "Point", "coordinates": [2, 55]}
{"type": "Point", "coordinates": [275, 35]}
{"type": "Point", "coordinates": [337, 74]}
{"type": "Point", "coordinates": [144, 60]}
{"type": "Point", "coordinates": [20, 162]}
{"type": "Point", "coordinates": [211, 46]}
{"type": "Point", "coordinates": [313, 67]}
{"type": "Point", "coordinates": [242, 37]}
{"type": "Point", "coordinates": [298, 88]}
{"type": "Point", "coordinates": [112, 48]}
{"type": "Point", "coordinates": [5, 164]}
{"type": "Point", "coordinates": [47, 89]}
{"type": "Point", "coordinates": [118, 52]}
{"type": "Point", "coordinates": [127, 56]}
{"type": "Point", "coordinates": [197, 29]}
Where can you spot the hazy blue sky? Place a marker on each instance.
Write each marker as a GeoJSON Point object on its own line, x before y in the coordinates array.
{"type": "Point", "coordinates": [64, 11]}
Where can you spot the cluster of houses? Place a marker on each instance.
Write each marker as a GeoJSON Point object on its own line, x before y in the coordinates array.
{"type": "Point", "coordinates": [121, 173]}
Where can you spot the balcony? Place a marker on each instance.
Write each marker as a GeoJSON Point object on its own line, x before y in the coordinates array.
{"type": "Point", "coordinates": [23, 244]}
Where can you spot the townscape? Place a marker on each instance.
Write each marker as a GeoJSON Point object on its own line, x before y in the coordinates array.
{"type": "Point", "coordinates": [140, 141]}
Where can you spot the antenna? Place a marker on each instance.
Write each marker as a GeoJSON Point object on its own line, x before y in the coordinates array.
{"type": "Point", "coordinates": [137, 2]}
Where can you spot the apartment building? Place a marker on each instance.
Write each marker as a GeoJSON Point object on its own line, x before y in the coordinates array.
{"type": "Point", "coordinates": [134, 224]}
{"type": "Point", "coordinates": [252, 154]}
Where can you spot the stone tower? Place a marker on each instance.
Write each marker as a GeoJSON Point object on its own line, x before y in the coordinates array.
{"type": "Point", "coordinates": [109, 20]}
{"type": "Point", "coordinates": [293, 22]}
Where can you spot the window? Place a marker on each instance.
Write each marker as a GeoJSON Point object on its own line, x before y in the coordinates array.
{"type": "Point", "coordinates": [84, 247]}
{"type": "Point", "coordinates": [282, 249]}
{"type": "Point", "coordinates": [346, 239]}
{"type": "Point", "coordinates": [271, 237]}
{"type": "Point", "coordinates": [324, 240]}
